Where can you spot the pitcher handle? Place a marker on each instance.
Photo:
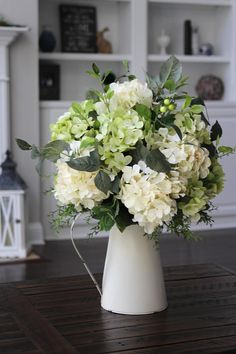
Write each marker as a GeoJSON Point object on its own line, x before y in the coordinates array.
{"type": "Point", "coordinates": [81, 258]}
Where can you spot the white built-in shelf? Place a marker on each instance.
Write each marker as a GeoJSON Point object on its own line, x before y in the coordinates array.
{"type": "Point", "coordinates": [194, 2]}
{"type": "Point", "coordinates": [55, 104]}
{"type": "Point", "coordinates": [191, 58]}
{"type": "Point", "coordinates": [84, 57]}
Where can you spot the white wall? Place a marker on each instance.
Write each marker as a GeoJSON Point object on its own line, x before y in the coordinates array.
{"type": "Point", "coordinates": [24, 95]}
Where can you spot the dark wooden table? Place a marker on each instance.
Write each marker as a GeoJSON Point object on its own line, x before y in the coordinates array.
{"type": "Point", "coordinates": [63, 315]}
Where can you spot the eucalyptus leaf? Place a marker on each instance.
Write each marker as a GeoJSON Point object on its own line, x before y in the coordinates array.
{"type": "Point", "coordinates": [103, 182]}
{"type": "Point", "coordinates": [157, 161]}
{"type": "Point", "coordinates": [170, 70]}
{"type": "Point", "coordinates": [23, 145]}
{"type": "Point", "coordinates": [53, 150]}
{"type": "Point", "coordinates": [152, 83]}
{"type": "Point", "coordinates": [89, 163]}
{"type": "Point", "coordinates": [35, 153]}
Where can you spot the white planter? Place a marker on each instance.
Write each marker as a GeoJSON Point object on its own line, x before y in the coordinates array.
{"type": "Point", "coordinates": [133, 279]}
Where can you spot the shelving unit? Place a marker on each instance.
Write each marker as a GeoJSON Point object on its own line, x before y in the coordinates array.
{"type": "Point", "coordinates": [84, 57]}
{"type": "Point", "coordinates": [134, 26]}
{"type": "Point", "coordinates": [197, 59]}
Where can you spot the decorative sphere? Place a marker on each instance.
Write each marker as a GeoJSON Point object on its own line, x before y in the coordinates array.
{"type": "Point", "coordinates": [47, 40]}
{"type": "Point", "coordinates": [210, 87]}
{"type": "Point", "coordinates": [206, 49]}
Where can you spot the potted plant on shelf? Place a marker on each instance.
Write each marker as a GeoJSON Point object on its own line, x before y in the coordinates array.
{"type": "Point", "coordinates": [139, 158]}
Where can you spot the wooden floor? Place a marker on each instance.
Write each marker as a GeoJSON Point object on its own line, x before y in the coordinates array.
{"type": "Point", "coordinates": [59, 258]}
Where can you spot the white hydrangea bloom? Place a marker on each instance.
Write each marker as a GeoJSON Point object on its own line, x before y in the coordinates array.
{"type": "Point", "coordinates": [146, 194]}
{"type": "Point", "coordinates": [129, 93]}
{"type": "Point", "coordinates": [76, 187]}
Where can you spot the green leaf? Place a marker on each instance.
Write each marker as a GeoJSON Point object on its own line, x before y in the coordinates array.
{"type": "Point", "coordinates": [96, 69]}
{"type": "Point", "coordinates": [152, 83]}
{"type": "Point", "coordinates": [87, 142]}
{"type": "Point", "coordinates": [126, 65]}
{"type": "Point", "coordinates": [124, 218]}
{"type": "Point", "coordinates": [89, 163]}
{"type": "Point", "coordinates": [131, 77]}
{"type": "Point", "coordinates": [170, 85]}
{"type": "Point", "coordinates": [170, 70]}
{"type": "Point", "coordinates": [52, 150]}
{"type": "Point", "coordinates": [197, 100]}
{"type": "Point", "coordinates": [182, 82]}
{"type": "Point", "coordinates": [139, 153]}
{"type": "Point", "coordinates": [92, 95]}
{"type": "Point", "coordinates": [157, 161]}
{"type": "Point", "coordinates": [167, 120]}
{"type": "Point", "coordinates": [178, 131]}
{"type": "Point", "coordinates": [106, 222]}
{"type": "Point", "coordinates": [35, 153]}
{"type": "Point", "coordinates": [204, 119]}
{"type": "Point", "coordinates": [216, 131]}
{"type": "Point", "coordinates": [187, 102]}
{"type": "Point", "coordinates": [115, 185]}
{"type": "Point", "coordinates": [76, 107]}
{"type": "Point", "coordinates": [103, 182]}
{"type": "Point", "coordinates": [23, 145]}
{"type": "Point", "coordinates": [196, 109]}
{"type": "Point", "coordinates": [143, 111]}
{"type": "Point", "coordinates": [226, 150]}
{"type": "Point", "coordinates": [92, 74]}
{"type": "Point", "coordinates": [93, 114]}
{"type": "Point", "coordinates": [211, 148]}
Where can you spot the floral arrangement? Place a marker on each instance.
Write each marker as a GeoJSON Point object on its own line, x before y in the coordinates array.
{"type": "Point", "coordinates": [136, 153]}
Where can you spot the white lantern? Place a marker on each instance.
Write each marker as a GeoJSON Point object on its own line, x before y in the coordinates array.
{"type": "Point", "coordinates": [12, 211]}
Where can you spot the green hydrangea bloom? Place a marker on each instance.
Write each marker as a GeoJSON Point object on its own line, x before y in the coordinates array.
{"type": "Point", "coordinates": [198, 199]}
{"type": "Point", "coordinates": [75, 123]}
{"type": "Point", "coordinates": [215, 180]}
{"type": "Point", "coordinates": [118, 132]}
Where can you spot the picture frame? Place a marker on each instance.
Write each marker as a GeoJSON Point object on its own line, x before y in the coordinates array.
{"type": "Point", "coordinates": [49, 81]}
{"type": "Point", "coordinates": [78, 26]}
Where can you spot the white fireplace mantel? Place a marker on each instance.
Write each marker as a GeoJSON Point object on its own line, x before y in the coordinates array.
{"type": "Point", "coordinates": [7, 35]}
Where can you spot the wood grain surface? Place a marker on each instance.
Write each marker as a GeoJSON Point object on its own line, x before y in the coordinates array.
{"type": "Point", "coordinates": [63, 315]}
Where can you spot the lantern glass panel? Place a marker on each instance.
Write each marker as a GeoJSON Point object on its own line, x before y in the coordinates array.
{"type": "Point", "coordinates": [7, 221]}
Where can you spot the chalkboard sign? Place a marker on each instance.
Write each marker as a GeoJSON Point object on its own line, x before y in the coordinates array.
{"type": "Point", "coordinates": [78, 28]}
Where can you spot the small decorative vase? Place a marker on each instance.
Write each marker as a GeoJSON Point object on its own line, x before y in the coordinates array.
{"type": "Point", "coordinates": [163, 41]}
{"type": "Point", "coordinates": [47, 40]}
{"type": "Point", "coordinates": [133, 279]}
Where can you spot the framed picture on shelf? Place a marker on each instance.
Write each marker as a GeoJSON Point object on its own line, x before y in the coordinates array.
{"type": "Point", "coordinates": [78, 26]}
{"type": "Point", "coordinates": [49, 81]}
